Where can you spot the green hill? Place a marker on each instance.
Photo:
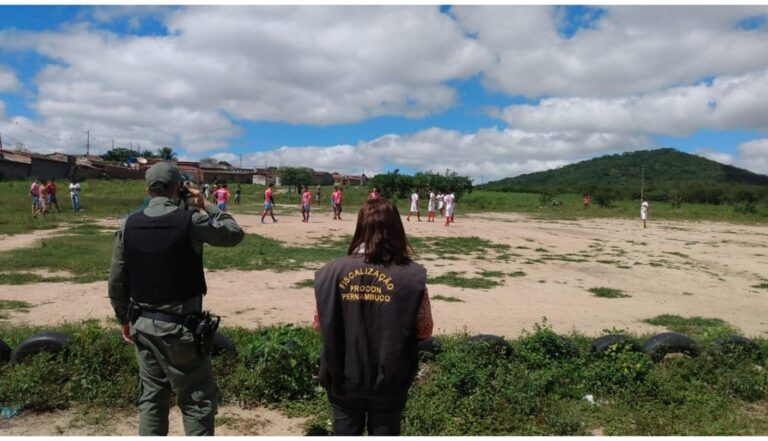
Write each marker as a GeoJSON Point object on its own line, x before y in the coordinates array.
{"type": "Point", "coordinates": [668, 173]}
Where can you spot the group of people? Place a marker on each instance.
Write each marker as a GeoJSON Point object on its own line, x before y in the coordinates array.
{"type": "Point", "coordinates": [219, 193]}
{"type": "Point", "coordinates": [443, 202]}
{"type": "Point", "coordinates": [43, 195]}
{"type": "Point", "coordinates": [156, 288]}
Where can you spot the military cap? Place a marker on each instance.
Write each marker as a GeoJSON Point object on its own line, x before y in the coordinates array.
{"type": "Point", "coordinates": [163, 173]}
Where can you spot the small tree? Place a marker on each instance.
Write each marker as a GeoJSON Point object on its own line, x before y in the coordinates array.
{"type": "Point", "coordinates": [166, 153]}
{"type": "Point", "coordinates": [297, 176]}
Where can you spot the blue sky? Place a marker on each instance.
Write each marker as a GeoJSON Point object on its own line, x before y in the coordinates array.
{"type": "Point", "coordinates": [486, 91]}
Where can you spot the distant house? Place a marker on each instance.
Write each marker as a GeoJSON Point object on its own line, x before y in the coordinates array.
{"type": "Point", "coordinates": [20, 165]}
{"type": "Point", "coordinates": [14, 165]}
{"type": "Point", "coordinates": [322, 178]}
{"type": "Point", "coordinates": [263, 176]}
{"type": "Point", "coordinates": [353, 180]}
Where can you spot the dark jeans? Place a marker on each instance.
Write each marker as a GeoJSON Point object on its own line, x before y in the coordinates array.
{"type": "Point", "coordinates": [384, 415]}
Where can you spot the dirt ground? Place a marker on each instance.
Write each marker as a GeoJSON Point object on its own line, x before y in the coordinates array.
{"type": "Point", "coordinates": [685, 268]}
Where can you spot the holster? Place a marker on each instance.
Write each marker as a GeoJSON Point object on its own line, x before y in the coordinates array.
{"type": "Point", "coordinates": [205, 326]}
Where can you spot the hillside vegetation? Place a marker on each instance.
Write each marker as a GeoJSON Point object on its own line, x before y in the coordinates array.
{"type": "Point", "coordinates": [669, 174]}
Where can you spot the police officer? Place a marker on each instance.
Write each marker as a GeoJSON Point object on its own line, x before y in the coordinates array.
{"type": "Point", "coordinates": [156, 286]}
{"type": "Point", "coordinates": [372, 308]}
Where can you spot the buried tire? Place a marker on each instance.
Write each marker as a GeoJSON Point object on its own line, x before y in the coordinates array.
{"type": "Point", "coordinates": [5, 352]}
{"type": "Point", "coordinates": [223, 346]}
{"type": "Point", "coordinates": [429, 348]}
{"type": "Point", "coordinates": [50, 342]}
{"type": "Point", "coordinates": [494, 342]}
{"type": "Point", "coordinates": [620, 342]}
{"type": "Point", "coordinates": [660, 345]}
{"type": "Point", "coordinates": [736, 344]}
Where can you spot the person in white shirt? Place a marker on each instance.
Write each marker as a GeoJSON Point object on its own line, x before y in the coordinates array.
{"type": "Point", "coordinates": [644, 211]}
{"type": "Point", "coordinates": [449, 204]}
{"type": "Point", "coordinates": [441, 203]}
{"type": "Point", "coordinates": [414, 207]}
{"type": "Point", "coordinates": [431, 206]}
{"type": "Point", "coordinates": [74, 194]}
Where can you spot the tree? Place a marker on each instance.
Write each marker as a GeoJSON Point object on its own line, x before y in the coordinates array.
{"type": "Point", "coordinates": [393, 185]}
{"type": "Point", "coordinates": [207, 160]}
{"type": "Point", "coordinates": [120, 154]}
{"type": "Point", "coordinates": [166, 153]}
{"type": "Point", "coordinates": [295, 176]}
{"type": "Point", "coordinates": [225, 163]}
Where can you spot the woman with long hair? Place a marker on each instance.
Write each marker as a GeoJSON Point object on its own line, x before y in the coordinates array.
{"type": "Point", "coordinates": [372, 309]}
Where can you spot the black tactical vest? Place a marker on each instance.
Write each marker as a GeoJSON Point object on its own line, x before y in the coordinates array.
{"type": "Point", "coordinates": [368, 322]}
{"type": "Point", "coordinates": [161, 264]}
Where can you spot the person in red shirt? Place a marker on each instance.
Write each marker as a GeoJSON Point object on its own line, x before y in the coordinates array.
{"type": "Point", "coordinates": [306, 201]}
{"type": "Point", "coordinates": [269, 204]}
{"type": "Point", "coordinates": [336, 198]}
{"type": "Point", "coordinates": [585, 200]}
{"type": "Point", "coordinates": [222, 196]}
{"type": "Point", "coordinates": [51, 190]}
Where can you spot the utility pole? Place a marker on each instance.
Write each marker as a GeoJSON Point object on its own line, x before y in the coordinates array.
{"type": "Point", "coordinates": [88, 144]}
{"type": "Point", "coordinates": [241, 161]}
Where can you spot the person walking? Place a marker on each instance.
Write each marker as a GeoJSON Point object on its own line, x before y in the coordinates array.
{"type": "Point", "coordinates": [156, 288]}
{"type": "Point", "coordinates": [74, 194]}
{"type": "Point", "coordinates": [644, 207]}
{"type": "Point", "coordinates": [414, 207]}
{"type": "Point", "coordinates": [336, 197]}
{"type": "Point", "coordinates": [372, 307]}
{"type": "Point", "coordinates": [269, 204]}
{"type": "Point", "coordinates": [306, 201]}
{"type": "Point", "coordinates": [51, 191]}
{"type": "Point", "coordinates": [34, 194]}
{"type": "Point", "coordinates": [221, 195]}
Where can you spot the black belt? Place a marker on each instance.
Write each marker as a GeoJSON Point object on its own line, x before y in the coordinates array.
{"type": "Point", "coordinates": [162, 316]}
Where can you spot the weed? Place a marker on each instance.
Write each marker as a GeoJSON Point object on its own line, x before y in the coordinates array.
{"type": "Point", "coordinates": [496, 274]}
{"type": "Point", "coordinates": [678, 254]}
{"type": "Point", "coordinates": [453, 278]}
{"type": "Point", "coordinates": [608, 293]}
{"type": "Point", "coordinates": [763, 285]}
{"type": "Point", "coordinates": [306, 283]}
{"type": "Point", "coordinates": [446, 298]}
{"type": "Point", "coordinates": [517, 274]}
{"type": "Point", "coordinates": [696, 327]}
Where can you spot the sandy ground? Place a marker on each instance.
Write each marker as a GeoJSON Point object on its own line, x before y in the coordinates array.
{"type": "Point", "coordinates": [231, 421]}
{"type": "Point", "coordinates": [686, 268]}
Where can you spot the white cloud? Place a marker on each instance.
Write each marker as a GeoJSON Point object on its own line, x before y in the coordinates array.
{"type": "Point", "coordinates": [8, 81]}
{"type": "Point", "coordinates": [490, 153]}
{"type": "Point", "coordinates": [753, 155]}
{"type": "Point", "coordinates": [629, 50]}
{"type": "Point", "coordinates": [714, 155]}
{"type": "Point", "coordinates": [728, 103]}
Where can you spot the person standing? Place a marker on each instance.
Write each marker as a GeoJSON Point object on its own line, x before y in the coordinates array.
{"type": "Point", "coordinates": [374, 194]}
{"type": "Point", "coordinates": [238, 192]}
{"type": "Point", "coordinates": [51, 190]}
{"type": "Point", "coordinates": [449, 201]}
{"type": "Point", "coordinates": [221, 195]}
{"type": "Point", "coordinates": [441, 203]}
{"type": "Point", "coordinates": [156, 288]}
{"type": "Point", "coordinates": [318, 190]}
{"type": "Point", "coordinates": [306, 201]}
{"type": "Point", "coordinates": [372, 308]}
{"type": "Point", "coordinates": [644, 207]}
{"type": "Point", "coordinates": [74, 194]}
{"type": "Point", "coordinates": [414, 207]}
{"type": "Point", "coordinates": [34, 194]}
{"type": "Point", "coordinates": [207, 191]}
{"type": "Point", "coordinates": [43, 197]}
{"type": "Point", "coordinates": [431, 206]}
{"type": "Point", "coordinates": [269, 204]}
{"type": "Point", "coordinates": [585, 200]}
{"type": "Point", "coordinates": [336, 203]}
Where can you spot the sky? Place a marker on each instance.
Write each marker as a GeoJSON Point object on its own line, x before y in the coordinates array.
{"type": "Point", "coordinates": [486, 91]}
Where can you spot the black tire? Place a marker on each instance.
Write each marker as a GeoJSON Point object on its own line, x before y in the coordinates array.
{"type": "Point", "coordinates": [51, 342]}
{"type": "Point", "coordinates": [223, 346]}
{"type": "Point", "coordinates": [665, 343]}
{"type": "Point", "coordinates": [494, 342]}
{"type": "Point", "coordinates": [5, 352]}
{"type": "Point", "coordinates": [737, 344]}
{"type": "Point", "coordinates": [429, 348]}
{"type": "Point", "coordinates": [621, 342]}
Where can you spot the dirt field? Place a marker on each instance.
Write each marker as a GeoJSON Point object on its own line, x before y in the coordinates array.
{"type": "Point", "coordinates": [685, 268]}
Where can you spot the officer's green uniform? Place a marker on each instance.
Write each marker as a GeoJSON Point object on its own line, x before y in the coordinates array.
{"type": "Point", "coordinates": [166, 353]}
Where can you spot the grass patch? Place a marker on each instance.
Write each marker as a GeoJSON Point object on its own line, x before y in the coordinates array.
{"type": "Point", "coordinates": [517, 274]}
{"type": "Point", "coordinates": [696, 327]}
{"type": "Point", "coordinates": [496, 274]}
{"type": "Point", "coordinates": [13, 305]}
{"type": "Point", "coordinates": [457, 246]}
{"type": "Point", "coordinates": [306, 283]}
{"type": "Point", "coordinates": [608, 293]}
{"type": "Point", "coordinates": [26, 278]}
{"type": "Point", "coordinates": [763, 285]}
{"type": "Point", "coordinates": [678, 254]}
{"type": "Point", "coordinates": [446, 298]}
{"type": "Point", "coordinates": [563, 258]}
{"type": "Point", "coordinates": [455, 279]}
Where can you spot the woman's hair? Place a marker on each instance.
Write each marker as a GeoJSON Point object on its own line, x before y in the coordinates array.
{"type": "Point", "coordinates": [380, 233]}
